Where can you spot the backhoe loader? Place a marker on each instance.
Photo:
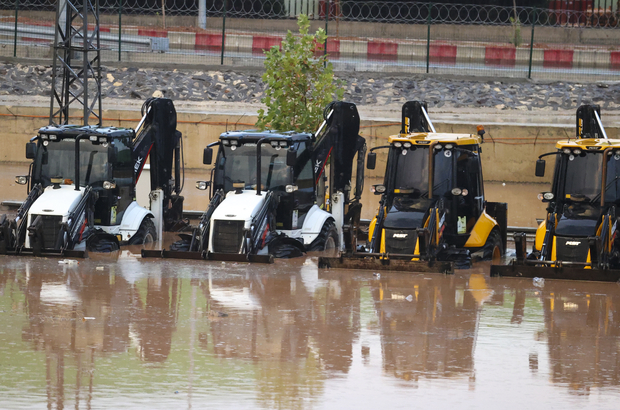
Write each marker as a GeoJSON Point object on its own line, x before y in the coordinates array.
{"type": "Point", "coordinates": [432, 213]}
{"type": "Point", "coordinates": [268, 193]}
{"type": "Point", "coordinates": [578, 238]}
{"type": "Point", "coordinates": [82, 187]}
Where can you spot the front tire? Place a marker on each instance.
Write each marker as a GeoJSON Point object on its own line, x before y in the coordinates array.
{"type": "Point", "coordinates": [327, 239]}
{"type": "Point", "coordinates": [146, 234]}
{"type": "Point", "coordinates": [493, 249]}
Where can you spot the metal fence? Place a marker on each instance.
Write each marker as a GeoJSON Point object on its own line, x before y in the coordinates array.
{"type": "Point", "coordinates": [576, 40]}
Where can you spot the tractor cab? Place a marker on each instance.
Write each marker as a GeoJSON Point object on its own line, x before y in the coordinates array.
{"type": "Point", "coordinates": [282, 162]}
{"type": "Point", "coordinates": [427, 171]}
{"type": "Point", "coordinates": [72, 158]}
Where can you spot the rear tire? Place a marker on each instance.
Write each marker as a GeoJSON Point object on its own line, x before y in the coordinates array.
{"type": "Point", "coordinates": [493, 249]}
{"type": "Point", "coordinates": [327, 239]}
{"type": "Point", "coordinates": [145, 235]}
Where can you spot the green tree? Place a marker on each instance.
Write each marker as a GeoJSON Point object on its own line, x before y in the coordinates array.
{"type": "Point", "coordinates": [300, 82]}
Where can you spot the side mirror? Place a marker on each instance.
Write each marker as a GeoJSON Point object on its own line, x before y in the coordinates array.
{"type": "Point", "coordinates": [31, 150]}
{"type": "Point", "coordinates": [540, 168]}
{"type": "Point", "coordinates": [371, 162]}
{"type": "Point", "coordinates": [291, 157]}
{"type": "Point", "coordinates": [207, 156]}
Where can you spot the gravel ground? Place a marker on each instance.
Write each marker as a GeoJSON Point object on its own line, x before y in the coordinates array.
{"type": "Point", "coordinates": [362, 89]}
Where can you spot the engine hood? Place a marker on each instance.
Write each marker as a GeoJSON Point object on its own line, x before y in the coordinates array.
{"type": "Point", "coordinates": [407, 213]}
{"type": "Point", "coordinates": [241, 206]}
{"type": "Point", "coordinates": [576, 227]}
{"type": "Point", "coordinates": [59, 201]}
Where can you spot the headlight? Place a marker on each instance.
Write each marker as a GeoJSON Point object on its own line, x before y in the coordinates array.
{"type": "Point", "coordinates": [377, 189]}
{"type": "Point", "coordinates": [449, 146]}
{"type": "Point", "coordinates": [102, 140]}
{"type": "Point", "coordinates": [44, 137]}
{"type": "Point", "coordinates": [398, 144]}
{"type": "Point", "coordinates": [234, 143]}
{"type": "Point", "coordinates": [407, 145]}
{"type": "Point", "coordinates": [274, 143]}
{"type": "Point", "coordinates": [577, 151]}
{"type": "Point", "coordinates": [546, 196]}
{"type": "Point", "coordinates": [438, 146]}
{"type": "Point", "coordinates": [202, 185]}
{"type": "Point", "coordinates": [291, 188]}
{"type": "Point", "coordinates": [109, 185]}
{"type": "Point", "coordinates": [53, 137]}
{"type": "Point", "coordinates": [226, 143]}
{"type": "Point", "coordinates": [283, 144]}
{"type": "Point", "coordinates": [93, 138]}
{"type": "Point", "coordinates": [21, 180]}
{"type": "Point", "coordinates": [566, 150]}
{"type": "Point", "coordinates": [456, 191]}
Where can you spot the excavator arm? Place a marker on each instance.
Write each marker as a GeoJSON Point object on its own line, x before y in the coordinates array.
{"type": "Point", "coordinates": [157, 138]}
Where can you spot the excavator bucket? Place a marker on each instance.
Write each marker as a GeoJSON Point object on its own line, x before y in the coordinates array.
{"type": "Point", "coordinates": [560, 272]}
{"type": "Point", "coordinates": [224, 257]}
{"type": "Point", "coordinates": [377, 261]}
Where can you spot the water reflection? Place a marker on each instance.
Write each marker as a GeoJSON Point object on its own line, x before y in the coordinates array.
{"type": "Point", "coordinates": [583, 334]}
{"type": "Point", "coordinates": [428, 325]}
{"type": "Point", "coordinates": [169, 334]}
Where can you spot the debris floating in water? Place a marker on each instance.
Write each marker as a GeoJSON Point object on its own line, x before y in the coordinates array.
{"type": "Point", "coordinates": [99, 267]}
{"type": "Point", "coordinates": [539, 282]}
{"type": "Point", "coordinates": [88, 318]}
{"type": "Point", "coordinates": [409, 298]}
{"type": "Point", "coordinates": [68, 262]}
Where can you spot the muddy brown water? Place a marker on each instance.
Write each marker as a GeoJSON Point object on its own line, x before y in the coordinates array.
{"type": "Point", "coordinates": [161, 334]}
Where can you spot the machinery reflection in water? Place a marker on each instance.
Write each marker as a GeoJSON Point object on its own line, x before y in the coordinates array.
{"type": "Point", "coordinates": [298, 329]}
{"type": "Point", "coordinates": [583, 332]}
{"type": "Point", "coordinates": [429, 325]}
{"type": "Point", "coordinates": [286, 338]}
{"type": "Point", "coordinates": [73, 317]}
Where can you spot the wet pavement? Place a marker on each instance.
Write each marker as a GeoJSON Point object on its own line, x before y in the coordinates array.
{"type": "Point", "coordinates": [135, 333]}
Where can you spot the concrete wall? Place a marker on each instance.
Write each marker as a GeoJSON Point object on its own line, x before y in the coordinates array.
{"type": "Point", "coordinates": [508, 153]}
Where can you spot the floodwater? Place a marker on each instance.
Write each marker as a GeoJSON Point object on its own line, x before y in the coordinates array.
{"type": "Point", "coordinates": [161, 334]}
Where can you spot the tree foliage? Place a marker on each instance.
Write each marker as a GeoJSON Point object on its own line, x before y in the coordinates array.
{"type": "Point", "coordinates": [300, 82]}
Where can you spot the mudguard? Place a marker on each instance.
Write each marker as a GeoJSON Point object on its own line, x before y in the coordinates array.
{"type": "Point", "coordinates": [132, 218]}
{"type": "Point", "coordinates": [315, 219]}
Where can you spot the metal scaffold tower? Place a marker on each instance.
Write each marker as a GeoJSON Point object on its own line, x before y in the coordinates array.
{"type": "Point", "coordinates": [76, 69]}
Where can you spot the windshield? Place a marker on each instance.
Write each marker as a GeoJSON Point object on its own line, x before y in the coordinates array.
{"type": "Point", "coordinates": [412, 172]}
{"type": "Point", "coordinates": [584, 173]}
{"type": "Point", "coordinates": [240, 166]}
{"type": "Point", "coordinates": [61, 162]}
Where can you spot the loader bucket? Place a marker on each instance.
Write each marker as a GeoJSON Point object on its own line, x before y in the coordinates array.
{"type": "Point", "coordinates": [224, 257]}
{"type": "Point", "coordinates": [375, 262]}
{"type": "Point", "coordinates": [52, 253]}
{"type": "Point", "coordinates": [159, 253]}
{"type": "Point", "coordinates": [239, 257]}
{"type": "Point", "coordinates": [550, 272]}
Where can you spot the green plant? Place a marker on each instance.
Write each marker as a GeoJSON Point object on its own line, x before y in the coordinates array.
{"type": "Point", "coordinates": [516, 25]}
{"type": "Point", "coordinates": [300, 82]}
